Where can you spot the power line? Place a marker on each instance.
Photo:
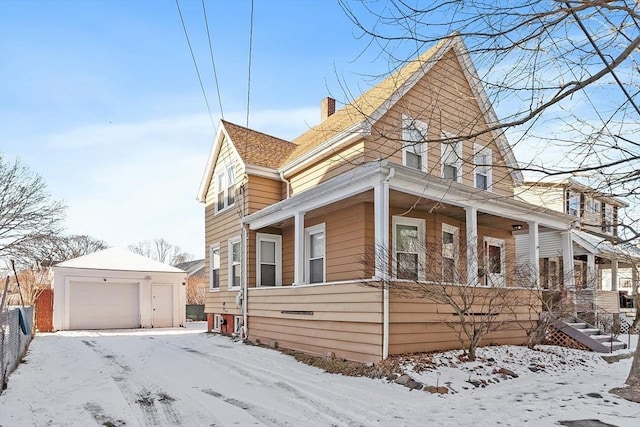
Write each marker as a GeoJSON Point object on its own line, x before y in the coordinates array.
{"type": "Point", "coordinates": [195, 65]}
{"type": "Point", "coordinates": [213, 63]}
{"type": "Point", "coordinates": [250, 50]}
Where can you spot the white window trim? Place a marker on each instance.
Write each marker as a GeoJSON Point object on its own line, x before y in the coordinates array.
{"type": "Point", "coordinates": [421, 224]}
{"type": "Point", "coordinates": [217, 322]}
{"type": "Point", "coordinates": [456, 244]}
{"type": "Point", "coordinates": [212, 248]}
{"type": "Point", "coordinates": [479, 149]}
{"type": "Point", "coordinates": [457, 149]}
{"type": "Point", "coordinates": [225, 185]}
{"type": "Point", "coordinates": [278, 241]}
{"type": "Point", "coordinates": [308, 232]}
{"type": "Point", "coordinates": [494, 241]}
{"type": "Point", "coordinates": [237, 320]}
{"type": "Point", "coordinates": [231, 242]}
{"type": "Point", "coordinates": [407, 144]}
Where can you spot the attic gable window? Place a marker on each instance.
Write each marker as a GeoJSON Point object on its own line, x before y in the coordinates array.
{"type": "Point", "coordinates": [225, 188]}
{"type": "Point", "coordinates": [451, 156]}
{"type": "Point", "coordinates": [414, 146]}
{"type": "Point", "coordinates": [482, 160]}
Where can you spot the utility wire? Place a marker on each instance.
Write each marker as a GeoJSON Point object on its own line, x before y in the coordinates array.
{"type": "Point", "coordinates": [250, 50]}
{"type": "Point", "coordinates": [195, 65]}
{"type": "Point", "coordinates": [213, 63]}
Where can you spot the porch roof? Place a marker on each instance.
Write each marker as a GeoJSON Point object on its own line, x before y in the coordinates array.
{"type": "Point", "coordinates": [411, 181]}
{"type": "Point", "coordinates": [602, 247]}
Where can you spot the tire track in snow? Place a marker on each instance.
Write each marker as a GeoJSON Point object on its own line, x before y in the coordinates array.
{"type": "Point", "coordinates": [138, 395]}
{"type": "Point", "coordinates": [266, 378]}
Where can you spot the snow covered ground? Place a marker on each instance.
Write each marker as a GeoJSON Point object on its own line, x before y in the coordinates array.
{"type": "Point", "coordinates": [189, 378]}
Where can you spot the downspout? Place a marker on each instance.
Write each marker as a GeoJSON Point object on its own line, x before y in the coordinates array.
{"type": "Point", "coordinates": [283, 179]}
{"type": "Point", "coordinates": [244, 236]}
{"type": "Point", "coordinates": [385, 278]}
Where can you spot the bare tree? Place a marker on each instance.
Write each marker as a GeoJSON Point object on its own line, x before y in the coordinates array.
{"type": "Point", "coordinates": [472, 307]}
{"type": "Point", "coordinates": [27, 212]}
{"type": "Point", "coordinates": [562, 75]}
{"type": "Point", "coordinates": [47, 250]}
{"type": "Point", "coordinates": [161, 250]}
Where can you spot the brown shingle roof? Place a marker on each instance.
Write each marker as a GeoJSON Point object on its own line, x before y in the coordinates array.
{"type": "Point", "coordinates": [257, 148]}
{"type": "Point", "coordinates": [361, 108]}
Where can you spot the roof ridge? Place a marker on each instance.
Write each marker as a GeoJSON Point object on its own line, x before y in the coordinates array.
{"type": "Point", "coordinates": [256, 131]}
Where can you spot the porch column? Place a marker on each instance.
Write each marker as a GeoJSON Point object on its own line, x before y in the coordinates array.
{"type": "Point", "coordinates": [614, 274]}
{"type": "Point", "coordinates": [381, 226]}
{"type": "Point", "coordinates": [591, 272]}
{"type": "Point", "coordinates": [634, 280]}
{"type": "Point", "coordinates": [567, 260]}
{"type": "Point", "coordinates": [381, 253]}
{"type": "Point", "coordinates": [534, 253]}
{"type": "Point", "coordinates": [298, 249]}
{"type": "Point", "coordinates": [472, 245]}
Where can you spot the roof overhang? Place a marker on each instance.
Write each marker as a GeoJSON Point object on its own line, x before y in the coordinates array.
{"type": "Point", "coordinates": [602, 247]}
{"type": "Point", "coordinates": [407, 180]}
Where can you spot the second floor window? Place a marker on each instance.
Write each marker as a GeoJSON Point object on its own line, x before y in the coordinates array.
{"type": "Point", "coordinates": [483, 173]}
{"type": "Point", "coordinates": [414, 146]}
{"type": "Point", "coordinates": [226, 188]}
{"type": "Point", "coordinates": [573, 204]}
{"type": "Point", "coordinates": [608, 220]}
{"type": "Point", "coordinates": [451, 156]}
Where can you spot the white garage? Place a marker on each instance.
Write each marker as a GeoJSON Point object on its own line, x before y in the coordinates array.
{"type": "Point", "coordinates": [117, 289]}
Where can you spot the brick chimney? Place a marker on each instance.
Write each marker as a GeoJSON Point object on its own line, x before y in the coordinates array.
{"type": "Point", "coordinates": [327, 108]}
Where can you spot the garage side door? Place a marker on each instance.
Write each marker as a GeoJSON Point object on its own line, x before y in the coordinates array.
{"type": "Point", "coordinates": [100, 305]}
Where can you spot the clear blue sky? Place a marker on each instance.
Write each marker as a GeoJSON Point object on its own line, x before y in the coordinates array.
{"type": "Point", "coordinates": [101, 98]}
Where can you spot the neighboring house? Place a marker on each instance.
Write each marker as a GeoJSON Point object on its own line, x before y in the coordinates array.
{"type": "Point", "coordinates": [196, 280]}
{"type": "Point", "coordinates": [602, 265]}
{"type": "Point", "coordinates": [115, 288]}
{"type": "Point", "coordinates": [291, 226]}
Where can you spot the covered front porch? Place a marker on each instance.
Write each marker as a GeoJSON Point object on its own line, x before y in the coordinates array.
{"type": "Point", "coordinates": [322, 257]}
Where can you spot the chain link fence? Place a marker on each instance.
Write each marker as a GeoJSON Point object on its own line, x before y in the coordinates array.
{"type": "Point", "coordinates": [16, 333]}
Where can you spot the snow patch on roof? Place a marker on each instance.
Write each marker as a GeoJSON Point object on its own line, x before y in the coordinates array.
{"type": "Point", "coordinates": [118, 259]}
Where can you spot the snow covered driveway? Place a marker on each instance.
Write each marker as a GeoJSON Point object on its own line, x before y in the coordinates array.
{"type": "Point", "coordinates": [189, 378]}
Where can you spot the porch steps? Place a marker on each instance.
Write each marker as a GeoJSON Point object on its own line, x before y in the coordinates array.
{"type": "Point", "coordinates": [590, 336]}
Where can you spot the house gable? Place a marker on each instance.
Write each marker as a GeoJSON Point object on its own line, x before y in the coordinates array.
{"type": "Point", "coordinates": [446, 106]}
{"type": "Point", "coordinates": [364, 112]}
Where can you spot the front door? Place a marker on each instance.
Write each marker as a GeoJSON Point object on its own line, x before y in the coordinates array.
{"type": "Point", "coordinates": [494, 261]}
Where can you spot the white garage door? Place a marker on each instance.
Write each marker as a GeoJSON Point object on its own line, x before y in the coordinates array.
{"type": "Point", "coordinates": [103, 305]}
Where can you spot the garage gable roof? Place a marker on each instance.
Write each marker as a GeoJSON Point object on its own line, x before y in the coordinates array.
{"type": "Point", "coordinates": [119, 259]}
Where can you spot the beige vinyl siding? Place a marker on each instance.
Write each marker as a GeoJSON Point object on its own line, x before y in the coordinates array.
{"type": "Point", "coordinates": [262, 192]}
{"type": "Point", "coordinates": [323, 169]}
{"type": "Point", "coordinates": [419, 325]}
{"type": "Point", "coordinates": [548, 197]}
{"type": "Point", "coordinates": [444, 101]}
{"type": "Point", "coordinates": [609, 301]}
{"type": "Point", "coordinates": [345, 243]}
{"type": "Point", "coordinates": [345, 319]}
{"type": "Point", "coordinates": [219, 228]}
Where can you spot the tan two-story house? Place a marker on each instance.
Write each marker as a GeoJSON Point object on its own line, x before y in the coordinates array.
{"type": "Point", "coordinates": [405, 184]}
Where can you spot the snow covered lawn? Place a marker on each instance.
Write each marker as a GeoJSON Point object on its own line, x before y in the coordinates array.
{"type": "Point", "coordinates": [186, 377]}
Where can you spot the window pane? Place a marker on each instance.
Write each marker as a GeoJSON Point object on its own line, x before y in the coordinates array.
{"type": "Point", "coordinates": [407, 266]}
{"type": "Point", "coordinates": [231, 195]}
{"type": "Point", "coordinates": [268, 252]}
{"type": "Point", "coordinates": [267, 275]}
{"type": "Point", "coordinates": [447, 237]}
{"type": "Point", "coordinates": [221, 200]}
{"type": "Point", "coordinates": [317, 245]}
{"type": "Point", "coordinates": [448, 270]}
{"type": "Point", "coordinates": [450, 172]}
{"type": "Point", "coordinates": [407, 238]}
{"type": "Point", "coordinates": [237, 255]}
{"type": "Point", "coordinates": [236, 275]}
{"type": "Point", "coordinates": [495, 260]}
{"type": "Point", "coordinates": [215, 258]}
{"type": "Point", "coordinates": [481, 181]}
{"type": "Point", "coordinates": [413, 160]}
{"type": "Point", "coordinates": [215, 278]}
{"type": "Point", "coordinates": [316, 270]}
